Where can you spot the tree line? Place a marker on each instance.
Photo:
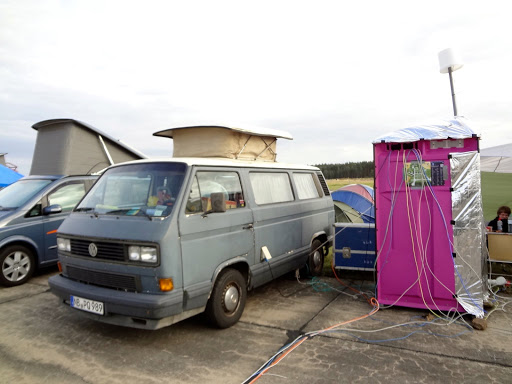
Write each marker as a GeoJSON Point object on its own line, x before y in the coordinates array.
{"type": "Point", "coordinates": [362, 169]}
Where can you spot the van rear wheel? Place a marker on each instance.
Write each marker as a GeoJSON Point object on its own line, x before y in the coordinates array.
{"type": "Point", "coordinates": [316, 258]}
{"type": "Point", "coordinates": [227, 301]}
{"type": "Point", "coordinates": [17, 264]}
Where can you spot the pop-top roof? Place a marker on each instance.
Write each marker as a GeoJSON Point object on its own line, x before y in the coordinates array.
{"type": "Point", "coordinates": [52, 122]}
{"type": "Point", "coordinates": [456, 128]}
{"type": "Point", "coordinates": [255, 131]}
{"type": "Point", "coordinates": [256, 144]}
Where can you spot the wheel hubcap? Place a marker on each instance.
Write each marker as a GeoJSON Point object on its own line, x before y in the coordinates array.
{"type": "Point", "coordinates": [16, 266]}
{"type": "Point", "coordinates": [317, 258]}
{"type": "Point", "coordinates": [231, 297]}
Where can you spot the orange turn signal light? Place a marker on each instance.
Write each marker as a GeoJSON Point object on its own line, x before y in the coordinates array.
{"type": "Point", "coordinates": [59, 265]}
{"type": "Point", "coordinates": [166, 285]}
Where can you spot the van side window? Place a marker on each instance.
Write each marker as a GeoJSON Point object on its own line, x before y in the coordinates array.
{"type": "Point", "coordinates": [306, 186]}
{"type": "Point", "coordinates": [67, 196]}
{"type": "Point", "coordinates": [224, 184]}
{"type": "Point", "coordinates": [271, 187]}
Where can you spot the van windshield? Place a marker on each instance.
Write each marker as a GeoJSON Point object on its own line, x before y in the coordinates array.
{"type": "Point", "coordinates": [146, 189]}
{"type": "Point", "coordinates": [18, 193]}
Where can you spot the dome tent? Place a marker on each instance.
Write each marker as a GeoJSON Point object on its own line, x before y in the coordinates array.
{"type": "Point", "coordinates": [360, 200]}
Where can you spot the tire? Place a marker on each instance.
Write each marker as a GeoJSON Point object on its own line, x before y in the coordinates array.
{"type": "Point", "coordinates": [18, 265]}
{"type": "Point", "coordinates": [316, 258]}
{"type": "Point", "coordinates": [227, 301]}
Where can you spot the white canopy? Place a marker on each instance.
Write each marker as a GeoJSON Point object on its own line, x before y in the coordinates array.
{"type": "Point", "coordinates": [496, 159]}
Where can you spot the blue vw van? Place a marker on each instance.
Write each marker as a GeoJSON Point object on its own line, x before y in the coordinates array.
{"type": "Point", "coordinates": [227, 226]}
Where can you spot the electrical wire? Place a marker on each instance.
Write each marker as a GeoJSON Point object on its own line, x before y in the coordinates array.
{"type": "Point", "coordinates": [287, 349]}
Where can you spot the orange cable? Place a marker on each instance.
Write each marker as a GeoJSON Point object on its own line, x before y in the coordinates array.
{"type": "Point", "coordinates": [372, 301]}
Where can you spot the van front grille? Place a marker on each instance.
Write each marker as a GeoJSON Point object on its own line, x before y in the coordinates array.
{"type": "Point", "coordinates": [104, 279]}
{"type": "Point", "coordinates": [106, 250]}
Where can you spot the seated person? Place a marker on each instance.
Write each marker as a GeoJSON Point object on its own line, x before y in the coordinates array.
{"type": "Point", "coordinates": [163, 197]}
{"type": "Point", "coordinates": [503, 214]}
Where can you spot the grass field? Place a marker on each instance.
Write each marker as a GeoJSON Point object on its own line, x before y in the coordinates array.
{"type": "Point", "coordinates": [335, 184]}
{"type": "Point", "coordinates": [496, 191]}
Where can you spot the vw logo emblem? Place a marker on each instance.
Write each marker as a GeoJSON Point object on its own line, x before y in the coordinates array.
{"type": "Point", "coordinates": [93, 249]}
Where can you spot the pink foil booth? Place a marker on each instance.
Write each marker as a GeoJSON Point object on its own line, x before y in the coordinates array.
{"type": "Point", "coordinates": [429, 221]}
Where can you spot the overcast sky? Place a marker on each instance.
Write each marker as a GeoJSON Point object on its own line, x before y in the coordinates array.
{"type": "Point", "coordinates": [335, 74]}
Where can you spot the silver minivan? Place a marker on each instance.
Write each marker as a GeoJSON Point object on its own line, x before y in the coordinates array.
{"type": "Point", "coordinates": [155, 242]}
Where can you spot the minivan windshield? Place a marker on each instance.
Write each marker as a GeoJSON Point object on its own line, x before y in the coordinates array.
{"type": "Point", "coordinates": [145, 189]}
{"type": "Point", "coordinates": [18, 193]}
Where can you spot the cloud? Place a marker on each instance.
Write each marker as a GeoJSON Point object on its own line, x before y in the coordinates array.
{"type": "Point", "coordinates": [335, 75]}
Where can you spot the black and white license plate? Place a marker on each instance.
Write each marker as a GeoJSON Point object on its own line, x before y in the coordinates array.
{"type": "Point", "coordinates": [92, 306]}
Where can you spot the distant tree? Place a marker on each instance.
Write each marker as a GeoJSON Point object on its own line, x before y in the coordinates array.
{"type": "Point", "coordinates": [351, 170]}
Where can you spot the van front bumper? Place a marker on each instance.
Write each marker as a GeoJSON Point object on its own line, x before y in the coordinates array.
{"type": "Point", "coordinates": [130, 309]}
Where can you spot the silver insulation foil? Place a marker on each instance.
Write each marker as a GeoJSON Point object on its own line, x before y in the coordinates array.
{"type": "Point", "coordinates": [456, 128]}
{"type": "Point", "coordinates": [468, 232]}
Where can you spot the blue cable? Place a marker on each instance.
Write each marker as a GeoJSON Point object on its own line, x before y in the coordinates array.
{"type": "Point", "coordinates": [403, 337]}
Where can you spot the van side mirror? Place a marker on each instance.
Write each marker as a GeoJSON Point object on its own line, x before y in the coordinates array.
{"type": "Point", "coordinates": [218, 202]}
{"type": "Point", "coordinates": [52, 209]}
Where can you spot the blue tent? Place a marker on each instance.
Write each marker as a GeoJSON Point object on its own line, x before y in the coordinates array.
{"type": "Point", "coordinates": [360, 203]}
{"type": "Point", "coordinates": [8, 176]}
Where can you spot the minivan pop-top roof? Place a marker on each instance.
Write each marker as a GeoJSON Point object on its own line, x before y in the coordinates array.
{"type": "Point", "coordinates": [72, 147]}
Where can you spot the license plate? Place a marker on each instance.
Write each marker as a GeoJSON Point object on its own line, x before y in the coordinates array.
{"type": "Point", "coordinates": [87, 305]}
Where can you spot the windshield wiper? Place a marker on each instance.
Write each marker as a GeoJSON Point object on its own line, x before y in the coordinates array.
{"type": "Point", "coordinates": [118, 211]}
{"type": "Point", "coordinates": [7, 208]}
{"type": "Point", "coordinates": [144, 213]}
{"type": "Point", "coordinates": [131, 211]}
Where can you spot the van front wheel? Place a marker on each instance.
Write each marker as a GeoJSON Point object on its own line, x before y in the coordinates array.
{"type": "Point", "coordinates": [316, 258]}
{"type": "Point", "coordinates": [227, 301]}
{"type": "Point", "coordinates": [17, 265]}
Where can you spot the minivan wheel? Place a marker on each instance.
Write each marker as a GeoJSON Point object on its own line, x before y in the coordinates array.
{"type": "Point", "coordinates": [227, 301]}
{"type": "Point", "coordinates": [316, 258]}
{"type": "Point", "coordinates": [17, 264]}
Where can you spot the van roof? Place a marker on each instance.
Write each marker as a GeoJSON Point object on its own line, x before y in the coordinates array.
{"type": "Point", "coordinates": [55, 177]}
{"type": "Point", "coordinates": [222, 162]}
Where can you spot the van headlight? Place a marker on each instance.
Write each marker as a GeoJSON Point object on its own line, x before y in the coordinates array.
{"type": "Point", "coordinates": [144, 254]}
{"type": "Point", "coordinates": [63, 244]}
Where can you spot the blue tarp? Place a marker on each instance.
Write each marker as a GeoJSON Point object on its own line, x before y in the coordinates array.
{"type": "Point", "coordinates": [358, 202]}
{"type": "Point", "coordinates": [8, 176]}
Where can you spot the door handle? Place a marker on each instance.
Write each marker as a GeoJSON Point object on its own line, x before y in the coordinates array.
{"type": "Point", "coordinates": [249, 226]}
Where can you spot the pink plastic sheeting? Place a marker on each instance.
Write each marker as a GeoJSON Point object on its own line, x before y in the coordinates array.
{"type": "Point", "coordinates": [415, 265]}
